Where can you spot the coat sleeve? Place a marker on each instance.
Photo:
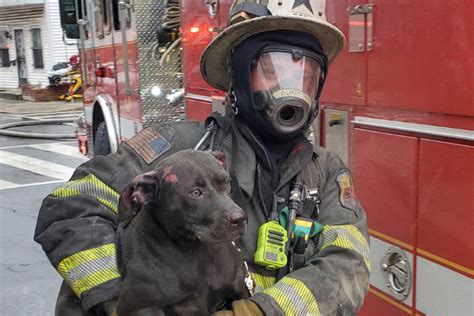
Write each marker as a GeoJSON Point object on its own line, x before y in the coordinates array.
{"type": "Point", "coordinates": [335, 280]}
{"type": "Point", "coordinates": [77, 220]}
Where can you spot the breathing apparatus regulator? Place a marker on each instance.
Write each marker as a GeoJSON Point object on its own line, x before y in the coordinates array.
{"type": "Point", "coordinates": [277, 246]}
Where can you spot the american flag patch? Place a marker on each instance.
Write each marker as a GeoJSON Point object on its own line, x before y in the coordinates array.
{"type": "Point", "coordinates": [149, 144]}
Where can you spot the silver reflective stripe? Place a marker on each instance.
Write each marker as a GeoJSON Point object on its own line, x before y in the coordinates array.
{"type": "Point", "coordinates": [294, 297]}
{"type": "Point", "coordinates": [415, 128]}
{"type": "Point", "coordinates": [87, 268]}
{"type": "Point", "coordinates": [259, 288]}
{"type": "Point", "coordinates": [345, 236]}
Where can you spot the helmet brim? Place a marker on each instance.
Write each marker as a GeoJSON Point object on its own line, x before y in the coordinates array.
{"type": "Point", "coordinates": [215, 58]}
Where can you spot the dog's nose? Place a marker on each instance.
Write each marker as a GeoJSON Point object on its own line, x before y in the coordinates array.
{"type": "Point", "coordinates": [237, 218]}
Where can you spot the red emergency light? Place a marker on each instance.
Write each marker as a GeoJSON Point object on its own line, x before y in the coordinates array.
{"type": "Point", "coordinates": [104, 72]}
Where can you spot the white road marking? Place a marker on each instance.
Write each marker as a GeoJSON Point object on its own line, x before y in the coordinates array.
{"type": "Point", "coordinates": [31, 184]}
{"type": "Point", "coordinates": [56, 116]}
{"type": "Point", "coordinates": [38, 166]}
{"type": "Point", "coordinates": [45, 114]}
{"type": "Point", "coordinates": [7, 184]}
{"type": "Point", "coordinates": [29, 145]}
{"type": "Point", "coordinates": [60, 149]}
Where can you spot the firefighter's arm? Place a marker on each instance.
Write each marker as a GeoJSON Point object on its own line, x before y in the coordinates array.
{"type": "Point", "coordinates": [76, 226]}
{"type": "Point", "coordinates": [335, 280]}
{"type": "Point", "coordinates": [77, 221]}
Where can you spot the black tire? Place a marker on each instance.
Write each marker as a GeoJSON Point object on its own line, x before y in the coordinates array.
{"type": "Point", "coordinates": [101, 141]}
{"type": "Point", "coordinates": [56, 80]}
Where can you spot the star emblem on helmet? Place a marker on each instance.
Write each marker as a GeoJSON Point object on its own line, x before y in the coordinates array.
{"type": "Point", "coordinates": [306, 3]}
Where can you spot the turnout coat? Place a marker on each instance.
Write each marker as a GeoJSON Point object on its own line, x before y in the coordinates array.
{"type": "Point", "coordinates": [77, 221]}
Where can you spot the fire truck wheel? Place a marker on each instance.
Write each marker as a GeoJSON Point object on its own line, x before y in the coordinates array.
{"type": "Point", "coordinates": [101, 142]}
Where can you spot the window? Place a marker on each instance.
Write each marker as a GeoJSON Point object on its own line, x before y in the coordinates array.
{"type": "Point", "coordinates": [82, 15]}
{"type": "Point", "coordinates": [37, 48]}
{"type": "Point", "coordinates": [116, 12]}
{"type": "Point", "coordinates": [101, 19]}
{"type": "Point", "coordinates": [4, 54]}
{"type": "Point", "coordinates": [105, 16]}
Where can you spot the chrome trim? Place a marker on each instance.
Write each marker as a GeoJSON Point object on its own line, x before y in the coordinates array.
{"type": "Point", "coordinates": [397, 272]}
{"type": "Point", "coordinates": [198, 97]}
{"type": "Point", "coordinates": [106, 108]}
{"type": "Point", "coordinates": [82, 36]}
{"type": "Point", "coordinates": [123, 28]}
{"type": "Point", "coordinates": [415, 128]}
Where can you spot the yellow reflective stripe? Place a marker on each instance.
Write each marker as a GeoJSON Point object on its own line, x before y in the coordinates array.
{"type": "Point", "coordinates": [347, 237]}
{"type": "Point", "coordinates": [310, 304]}
{"type": "Point", "coordinates": [93, 280]}
{"type": "Point", "coordinates": [84, 256]}
{"type": "Point", "coordinates": [354, 232]}
{"type": "Point", "coordinates": [261, 281]}
{"type": "Point", "coordinates": [109, 205]}
{"type": "Point", "coordinates": [282, 300]}
{"type": "Point", "coordinates": [89, 268]}
{"type": "Point", "coordinates": [92, 186]}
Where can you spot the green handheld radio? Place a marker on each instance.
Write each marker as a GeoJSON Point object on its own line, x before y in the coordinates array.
{"type": "Point", "coordinates": [272, 239]}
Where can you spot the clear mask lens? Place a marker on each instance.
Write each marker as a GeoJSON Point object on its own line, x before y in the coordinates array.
{"type": "Point", "coordinates": [285, 85]}
{"type": "Point", "coordinates": [284, 74]}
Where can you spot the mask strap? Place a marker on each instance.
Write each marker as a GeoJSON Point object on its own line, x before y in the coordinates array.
{"type": "Point", "coordinates": [232, 97]}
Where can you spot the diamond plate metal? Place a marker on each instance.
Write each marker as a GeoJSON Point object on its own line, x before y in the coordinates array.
{"type": "Point", "coordinates": [149, 15]}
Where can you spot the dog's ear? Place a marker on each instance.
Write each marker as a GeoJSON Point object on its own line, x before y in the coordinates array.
{"type": "Point", "coordinates": [220, 156]}
{"type": "Point", "coordinates": [144, 188]}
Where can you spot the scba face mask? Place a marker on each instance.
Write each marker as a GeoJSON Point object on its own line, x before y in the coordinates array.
{"type": "Point", "coordinates": [285, 82]}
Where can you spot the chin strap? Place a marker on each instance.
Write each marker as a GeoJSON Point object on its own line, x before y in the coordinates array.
{"type": "Point", "coordinates": [249, 281]}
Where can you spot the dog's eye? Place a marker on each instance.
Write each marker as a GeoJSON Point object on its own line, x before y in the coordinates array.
{"type": "Point", "coordinates": [196, 193]}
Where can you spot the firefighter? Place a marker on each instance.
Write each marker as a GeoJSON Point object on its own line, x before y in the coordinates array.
{"type": "Point", "coordinates": [272, 60]}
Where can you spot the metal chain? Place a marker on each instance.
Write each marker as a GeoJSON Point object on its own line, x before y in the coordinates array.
{"type": "Point", "coordinates": [249, 281]}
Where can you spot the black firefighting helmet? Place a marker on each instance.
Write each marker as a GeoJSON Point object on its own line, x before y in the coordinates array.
{"type": "Point", "coordinates": [250, 17]}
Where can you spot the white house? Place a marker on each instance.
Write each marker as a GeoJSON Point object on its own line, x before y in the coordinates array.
{"type": "Point", "coordinates": [31, 42]}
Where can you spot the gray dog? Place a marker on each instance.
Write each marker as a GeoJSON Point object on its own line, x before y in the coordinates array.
{"type": "Point", "coordinates": [174, 243]}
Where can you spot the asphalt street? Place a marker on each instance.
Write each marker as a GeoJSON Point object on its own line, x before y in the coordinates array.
{"type": "Point", "coordinates": [29, 170]}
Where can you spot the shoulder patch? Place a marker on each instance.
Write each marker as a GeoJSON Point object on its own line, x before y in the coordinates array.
{"type": "Point", "coordinates": [347, 196]}
{"type": "Point", "coordinates": [149, 144]}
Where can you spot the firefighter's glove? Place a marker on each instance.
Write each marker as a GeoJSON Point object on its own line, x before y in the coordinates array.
{"type": "Point", "coordinates": [242, 308]}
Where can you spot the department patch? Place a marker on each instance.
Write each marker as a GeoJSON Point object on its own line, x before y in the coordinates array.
{"type": "Point", "coordinates": [149, 144]}
{"type": "Point", "coordinates": [347, 196]}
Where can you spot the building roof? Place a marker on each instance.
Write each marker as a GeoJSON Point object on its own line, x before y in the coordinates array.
{"type": "Point", "coordinates": [15, 13]}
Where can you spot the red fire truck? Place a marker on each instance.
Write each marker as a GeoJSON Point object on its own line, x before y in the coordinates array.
{"type": "Point", "coordinates": [398, 107]}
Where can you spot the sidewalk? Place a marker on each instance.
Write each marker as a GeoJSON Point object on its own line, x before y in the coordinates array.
{"type": "Point", "coordinates": [20, 107]}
